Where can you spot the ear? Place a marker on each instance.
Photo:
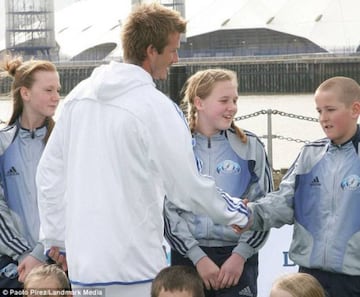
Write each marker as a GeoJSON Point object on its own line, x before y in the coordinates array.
{"type": "Point", "coordinates": [198, 103]}
{"type": "Point", "coordinates": [151, 51]}
{"type": "Point", "coordinates": [355, 108]}
{"type": "Point", "coordinates": [25, 93]}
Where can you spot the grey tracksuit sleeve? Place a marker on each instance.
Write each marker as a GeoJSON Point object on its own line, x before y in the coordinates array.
{"type": "Point", "coordinates": [12, 243]}
{"type": "Point", "coordinates": [276, 208]}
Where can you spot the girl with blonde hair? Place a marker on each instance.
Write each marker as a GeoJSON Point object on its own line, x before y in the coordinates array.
{"type": "Point", "coordinates": [236, 159]}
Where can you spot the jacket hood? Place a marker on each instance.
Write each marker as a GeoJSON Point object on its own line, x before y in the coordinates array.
{"type": "Point", "coordinates": [111, 81]}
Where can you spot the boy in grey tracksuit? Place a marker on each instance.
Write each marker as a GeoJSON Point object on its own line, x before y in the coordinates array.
{"type": "Point", "coordinates": [320, 194]}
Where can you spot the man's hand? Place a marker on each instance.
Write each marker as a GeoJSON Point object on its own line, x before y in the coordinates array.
{"type": "Point", "coordinates": [59, 257]}
{"type": "Point", "coordinates": [237, 229]}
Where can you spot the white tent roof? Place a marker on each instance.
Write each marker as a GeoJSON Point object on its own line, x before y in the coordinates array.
{"type": "Point", "coordinates": [97, 22]}
{"type": "Point", "coordinates": [331, 24]}
{"type": "Point", "coordinates": [231, 14]}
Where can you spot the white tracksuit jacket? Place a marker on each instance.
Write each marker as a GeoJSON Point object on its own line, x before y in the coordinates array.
{"type": "Point", "coordinates": [119, 147]}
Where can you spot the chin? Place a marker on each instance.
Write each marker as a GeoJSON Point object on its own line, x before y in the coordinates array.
{"type": "Point", "coordinates": [163, 77]}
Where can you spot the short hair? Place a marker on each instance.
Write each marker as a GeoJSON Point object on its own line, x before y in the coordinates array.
{"type": "Point", "coordinates": [300, 284]}
{"type": "Point", "coordinates": [47, 272]}
{"type": "Point", "coordinates": [149, 24]}
{"type": "Point", "coordinates": [348, 90]}
{"type": "Point", "coordinates": [178, 278]}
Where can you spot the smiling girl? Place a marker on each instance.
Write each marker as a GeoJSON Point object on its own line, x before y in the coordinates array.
{"type": "Point", "coordinates": [236, 159]}
{"type": "Point", "coordinates": [35, 92]}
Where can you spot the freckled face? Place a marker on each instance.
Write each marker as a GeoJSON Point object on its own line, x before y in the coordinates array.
{"type": "Point", "coordinates": [217, 111]}
{"type": "Point", "coordinates": [43, 97]}
{"type": "Point", "coordinates": [337, 120]}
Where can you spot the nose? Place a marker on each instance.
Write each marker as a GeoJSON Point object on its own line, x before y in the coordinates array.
{"type": "Point", "coordinates": [56, 96]}
{"type": "Point", "coordinates": [232, 106]}
{"type": "Point", "coordinates": [322, 117]}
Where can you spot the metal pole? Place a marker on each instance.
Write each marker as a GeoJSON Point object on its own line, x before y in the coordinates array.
{"type": "Point", "coordinates": [269, 138]}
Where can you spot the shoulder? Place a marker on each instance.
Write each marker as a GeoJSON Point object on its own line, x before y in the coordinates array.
{"type": "Point", "coordinates": [252, 139]}
{"type": "Point", "coordinates": [7, 135]}
{"type": "Point", "coordinates": [316, 145]}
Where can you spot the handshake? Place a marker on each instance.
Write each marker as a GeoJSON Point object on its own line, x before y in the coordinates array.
{"type": "Point", "coordinates": [243, 209]}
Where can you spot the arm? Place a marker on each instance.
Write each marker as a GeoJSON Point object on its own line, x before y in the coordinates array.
{"type": "Point", "coordinates": [178, 234]}
{"type": "Point", "coordinates": [276, 208]}
{"type": "Point", "coordinates": [12, 243]}
{"type": "Point", "coordinates": [173, 156]}
{"type": "Point", "coordinates": [181, 239]}
{"type": "Point", "coordinates": [50, 179]}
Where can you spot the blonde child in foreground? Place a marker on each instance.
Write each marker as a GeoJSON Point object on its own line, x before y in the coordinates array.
{"type": "Point", "coordinates": [320, 194]}
{"type": "Point", "coordinates": [177, 281]}
{"type": "Point", "coordinates": [47, 280]}
{"type": "Point", "coordinates": [297, 285]}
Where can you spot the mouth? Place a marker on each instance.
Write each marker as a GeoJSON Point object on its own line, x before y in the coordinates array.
{"type": "Point", "coordinates": [228, 117]}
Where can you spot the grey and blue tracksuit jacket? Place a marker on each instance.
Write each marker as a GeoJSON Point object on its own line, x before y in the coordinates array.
{"type": "Point", "coordinates": [320, 195]}
{"type": "Point", "coordinates": [20, 151]}
{"type": "Point", "coordinates": [240, 169]}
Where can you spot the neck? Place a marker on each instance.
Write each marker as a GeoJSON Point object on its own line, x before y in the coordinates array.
{"type": "Point", "coordinates": [31, 123]}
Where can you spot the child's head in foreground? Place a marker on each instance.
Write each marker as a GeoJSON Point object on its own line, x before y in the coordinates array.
{"type": "Point", "coordinates": [297, 285]}
{"type": "Point", "coordinates": [177, 281]}
{"type": "Point", "coordinates": [45, 279]}
{"type": "Point", "coordinates": [337, 101]}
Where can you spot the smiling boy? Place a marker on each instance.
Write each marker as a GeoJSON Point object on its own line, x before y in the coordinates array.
{"type": "Point", "coordinates": [320, 194]}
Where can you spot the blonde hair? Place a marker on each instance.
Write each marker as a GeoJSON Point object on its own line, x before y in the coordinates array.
{"type": "Point", "coordinates": [23, 76]}
{"type": "Point", "coordinates": [300, 285]}
{"type": "Point", "coordinates": [348, 90]}
{"type": "Point", "coordinates": [201, 85]}
{"type": "Point", "coordinates": [149, 24]}
{"type": "Point", "coordinates": [44, 273]}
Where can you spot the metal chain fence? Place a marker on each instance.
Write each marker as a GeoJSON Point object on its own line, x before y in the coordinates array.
{"type": "Point", "coordinates": [270, 136]}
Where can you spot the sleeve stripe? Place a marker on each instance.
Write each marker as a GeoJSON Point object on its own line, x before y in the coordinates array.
{"type": "Point", "coordinates": [175, 242]}
{"type": "Point", "coordinates": [9, 240]}
{"type": "Point", "coordinates": [257, 239]}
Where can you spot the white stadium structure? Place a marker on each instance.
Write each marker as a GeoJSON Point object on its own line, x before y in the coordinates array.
{"type": "Point", "coordinates": [90, 29]}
